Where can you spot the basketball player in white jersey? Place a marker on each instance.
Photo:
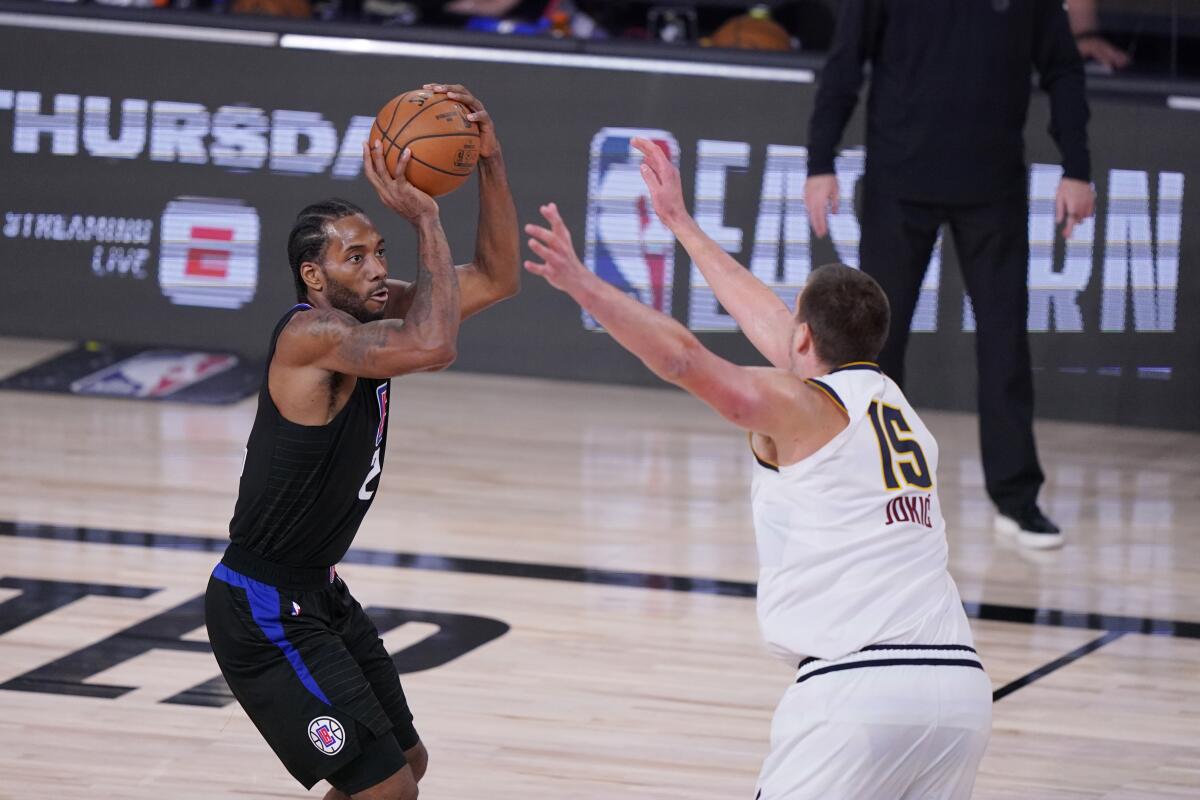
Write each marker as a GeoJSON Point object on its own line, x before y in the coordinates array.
{"type": "Point", "coordinates": [890, 699]}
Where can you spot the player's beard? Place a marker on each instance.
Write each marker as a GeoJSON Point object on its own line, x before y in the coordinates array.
{"type": "Point", "coordinates": [343, 299]}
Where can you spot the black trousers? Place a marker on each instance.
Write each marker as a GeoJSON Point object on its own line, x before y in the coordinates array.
{"type": "Point", "coordinates": [992, 242]}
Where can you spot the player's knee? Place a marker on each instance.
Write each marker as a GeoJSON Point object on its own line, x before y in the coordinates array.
{"type": "Point", "coordinates": [418, 759]}
{"type": "Point", "coordinates": [400, 786]}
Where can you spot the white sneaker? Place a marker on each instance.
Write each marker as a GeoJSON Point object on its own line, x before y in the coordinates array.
{"type": "Point", "coordinates": [1032, 529]}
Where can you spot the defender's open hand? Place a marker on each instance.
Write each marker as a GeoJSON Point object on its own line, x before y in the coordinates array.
{"type": "Point", "coordinates": [560, 265]}
{"type": "Point", "coordinates": [662, 178]}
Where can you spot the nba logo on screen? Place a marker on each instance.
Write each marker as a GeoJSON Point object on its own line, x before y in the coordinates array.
{"type": "Point", "coordinates": [209, 252]}
{"type": "Point", "coordinates": [627, 245]}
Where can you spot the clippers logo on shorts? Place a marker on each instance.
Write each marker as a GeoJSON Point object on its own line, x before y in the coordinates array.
{"type": "Point", "coordinates": [381, 394]}
{"type": "Point", "coordinates": [154, 374]}
{"type": "Point", "coordinates": [327, 735]}
{"type": "Point", "coordinates": [627, 245]}
{"type": "Point", "coordinates": [209, 252]}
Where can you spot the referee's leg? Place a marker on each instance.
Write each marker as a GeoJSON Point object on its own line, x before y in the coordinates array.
{"type": "Point", "coordinates": [993, 247]}
{"type": "Point", "coordinates": [897, 242]}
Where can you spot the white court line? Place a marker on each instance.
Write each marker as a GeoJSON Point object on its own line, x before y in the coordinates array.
{"type": "Point", "coordinates": [339, 44]}
{"type": "Point", "coordinates": [1181, 103]}
{"type": "Point", "coordinates": [147, 29]}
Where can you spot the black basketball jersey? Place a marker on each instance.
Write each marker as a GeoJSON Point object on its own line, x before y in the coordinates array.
{"type": "Point", "coordinates": [306, 488]}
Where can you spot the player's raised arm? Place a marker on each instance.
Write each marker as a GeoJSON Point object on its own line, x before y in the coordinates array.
{"type": "Point", "coordinates": [334, 341]}
{"type": "Point", "coordinates": [763, 317]}
{"type": "Point", "coordinates": [331, 339]}
{"type": "Point", "coordinates": [495, 272]}
{"type": "Point", "coordinates": [757, 399]}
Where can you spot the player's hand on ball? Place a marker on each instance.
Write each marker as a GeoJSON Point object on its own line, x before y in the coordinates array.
{"type": "Point", "coordinates": [560, 265]}
{"type": "Point", "coordinates": [662, 178]}
{"type": "Point", "coordinates": [489, 145]}
{"type": "Point", "coordinates": [396, 193]}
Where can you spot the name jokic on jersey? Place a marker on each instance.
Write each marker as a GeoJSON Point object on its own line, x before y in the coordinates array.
{"type": "Point", "coordinates": [909, 509]}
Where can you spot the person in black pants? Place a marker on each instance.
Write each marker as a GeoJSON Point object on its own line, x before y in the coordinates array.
{"type": "Point", "coordinates": [950, 89]}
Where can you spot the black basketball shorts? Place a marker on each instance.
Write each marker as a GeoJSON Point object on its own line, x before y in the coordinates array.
{"type": "Point", "coordinates": [308, 666]}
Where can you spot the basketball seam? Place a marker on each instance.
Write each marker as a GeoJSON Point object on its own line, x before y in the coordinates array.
{"type": "Point", "coordinates": [413, 117]}
{"type": "Point", "coordinates": [441, 136]}
{"type": "Point", "coordinates": [395, 110]}
{"type": "Point", "coordinates": [439, 169]}
{"type": "Point", "coordinates": [392, 140]}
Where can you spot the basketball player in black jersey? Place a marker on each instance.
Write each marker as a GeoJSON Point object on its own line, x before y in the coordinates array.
{"type": "Point", "coordinates": [296, 648]}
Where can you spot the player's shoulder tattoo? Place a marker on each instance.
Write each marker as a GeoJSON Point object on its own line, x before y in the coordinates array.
{"type": "Point", "coordinates": [324, 323]}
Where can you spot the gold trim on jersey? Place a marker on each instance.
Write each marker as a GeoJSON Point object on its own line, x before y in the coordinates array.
{"type": "Point", "coordinates": [871, 365]}
{"type": "Point", "coordinates": [762, 462]}
{"type": "Point", "coordinates": [830, 393]}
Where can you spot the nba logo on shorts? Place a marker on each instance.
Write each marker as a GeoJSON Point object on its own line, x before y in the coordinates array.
{"type": "Point", "coordinates": [627, 245]}
{"type": "Point", "coordinates": [327, 735]}
{"type": "Point", "coordinates": [209, 252]}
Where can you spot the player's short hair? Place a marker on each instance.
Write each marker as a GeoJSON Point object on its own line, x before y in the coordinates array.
{"type": "Point", "coordinates": [310, 235]}
{"type": "Point", "coordinates": [847, 313]}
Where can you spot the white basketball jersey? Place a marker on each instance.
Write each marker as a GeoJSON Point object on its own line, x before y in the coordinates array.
{"type": "Point", "coordinates": [851, 540]}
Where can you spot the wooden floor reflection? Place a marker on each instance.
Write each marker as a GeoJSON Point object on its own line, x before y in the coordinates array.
{"type": "Point", "coordinates": [601, 537]}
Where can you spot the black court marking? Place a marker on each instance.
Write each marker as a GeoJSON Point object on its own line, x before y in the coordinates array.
{"type": "Point", "coordinates": [383, 558]}
{"type": "Point", "coordinates": [1047, 617]}
{"type": "Point", "coordinates": [1056, 664]}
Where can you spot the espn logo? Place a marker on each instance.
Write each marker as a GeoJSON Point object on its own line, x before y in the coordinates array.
{"type": "Point", "coordinates": [627, 245]}
{"type": "Point", "coordinates": [209, 252]}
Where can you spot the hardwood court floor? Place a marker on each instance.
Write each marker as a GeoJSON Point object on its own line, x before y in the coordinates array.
{"type": "Point", "coordinates": [619, 679]}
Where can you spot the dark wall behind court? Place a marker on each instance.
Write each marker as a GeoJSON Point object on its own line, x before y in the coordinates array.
{"type": "Point", "coordinates": [67, 280]}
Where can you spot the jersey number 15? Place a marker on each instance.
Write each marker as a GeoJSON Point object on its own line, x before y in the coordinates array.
{"type": "Point", "coordinates": [896, 451]}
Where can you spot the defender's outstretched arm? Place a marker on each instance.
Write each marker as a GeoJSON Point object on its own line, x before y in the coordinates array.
{"type": "Point", "coordinates": [764, 318]}
{"type": "Point", "coordinates": [752, 398]}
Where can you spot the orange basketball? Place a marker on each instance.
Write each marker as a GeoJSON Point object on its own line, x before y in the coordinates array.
{"type": "Point", "coordinates": [445, 144]}
{"type": "Point", "coordinates": [752, 31]}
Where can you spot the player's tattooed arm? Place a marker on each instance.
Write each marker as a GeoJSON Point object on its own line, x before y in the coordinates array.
{"type": "Point", "coordinates": [436, 293]}
{"type": "Point", "coordinates": [764, 318]}
{"type": "Point", "coordinates": [333, 341]}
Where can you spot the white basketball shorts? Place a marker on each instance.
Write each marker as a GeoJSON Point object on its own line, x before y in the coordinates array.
{"type": "Point", "coordinates": [891, 722]}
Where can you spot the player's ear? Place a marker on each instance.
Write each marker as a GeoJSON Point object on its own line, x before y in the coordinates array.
{"type": "Point", "coordinates": [312, 275]}
{"type": "Point", "coordinates": [803, 341]}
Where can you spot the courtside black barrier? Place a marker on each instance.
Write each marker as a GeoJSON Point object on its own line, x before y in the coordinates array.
{"type": "Point", "coordinates": [149, 175]}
